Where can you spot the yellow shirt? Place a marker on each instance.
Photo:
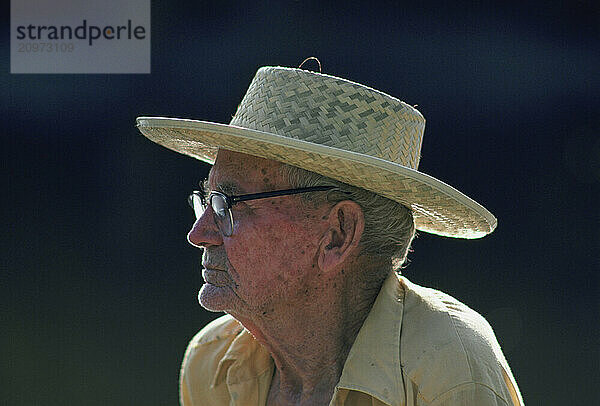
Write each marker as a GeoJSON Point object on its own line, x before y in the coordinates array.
{"type": "Point", "coordinates": [417, 346]}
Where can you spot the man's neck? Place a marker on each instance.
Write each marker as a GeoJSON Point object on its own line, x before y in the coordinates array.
{"type": "Point", "coordinates": [309, 341]}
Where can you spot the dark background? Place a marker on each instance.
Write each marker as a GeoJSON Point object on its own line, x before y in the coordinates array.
{"type": "Point", "coordinates": [98, 285]}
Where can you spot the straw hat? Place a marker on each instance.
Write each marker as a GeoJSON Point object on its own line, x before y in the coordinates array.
{"type": "Point", "coordinates": [337, 128]}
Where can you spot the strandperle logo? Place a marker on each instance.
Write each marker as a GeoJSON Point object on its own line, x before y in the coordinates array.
{"type": "Point", "coordinates": [84, 31]}
{"type": "Point", "coordinates": [66, 36]}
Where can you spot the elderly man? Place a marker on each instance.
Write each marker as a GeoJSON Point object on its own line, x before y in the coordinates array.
{"type": "Point", "coordinates": [305, 219]}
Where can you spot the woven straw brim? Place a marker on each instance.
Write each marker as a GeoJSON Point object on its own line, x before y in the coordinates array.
{"type": "Point", "coordinates": [437, 207]}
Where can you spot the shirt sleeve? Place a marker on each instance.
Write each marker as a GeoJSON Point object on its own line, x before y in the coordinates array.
{"type": "Point", "coordinates": [185, 398]}
{"type": "Point", "coordinates": [470, 394]}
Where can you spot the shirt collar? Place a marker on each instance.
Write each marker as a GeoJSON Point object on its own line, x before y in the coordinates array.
{"type": "Point", "coordinates": [373, 364]}
{"type": "Point", "coordinates": [245, 359]}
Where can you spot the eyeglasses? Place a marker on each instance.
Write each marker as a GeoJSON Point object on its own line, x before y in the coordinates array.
{"type": "Point", "coordinates": [221, 203]}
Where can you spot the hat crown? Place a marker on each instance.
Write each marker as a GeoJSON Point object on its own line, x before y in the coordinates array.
{"type": "Point", "coordinates": [334, 112]}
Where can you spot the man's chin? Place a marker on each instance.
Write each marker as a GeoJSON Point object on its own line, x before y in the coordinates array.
{"type": "Point", "coordinates": [214, 298]}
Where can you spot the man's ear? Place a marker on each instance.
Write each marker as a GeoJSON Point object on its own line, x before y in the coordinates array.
{"type": "Point", "coordinates": [340, 240]}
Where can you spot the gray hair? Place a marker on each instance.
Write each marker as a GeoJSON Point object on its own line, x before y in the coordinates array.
{"type": "Point", "coordinates": [389, 225]}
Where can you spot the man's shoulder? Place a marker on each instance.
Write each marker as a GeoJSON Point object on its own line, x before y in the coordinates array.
{"type": "Point", "coordinates": [202, 359]}
{"type": "Point", "coordinates": [446, 345]}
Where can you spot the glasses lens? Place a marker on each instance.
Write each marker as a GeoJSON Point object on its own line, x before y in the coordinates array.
{"type": "Point", "coordinates": [196, 203]}
{"type": "Point", "coordinates": [222, 213]}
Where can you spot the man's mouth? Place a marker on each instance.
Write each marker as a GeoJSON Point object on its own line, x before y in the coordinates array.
{"type": "Point", "coordinates": [215, 277]}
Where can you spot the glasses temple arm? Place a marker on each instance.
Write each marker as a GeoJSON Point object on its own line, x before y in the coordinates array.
{"type": "Point", "coordinates": [275, 193]}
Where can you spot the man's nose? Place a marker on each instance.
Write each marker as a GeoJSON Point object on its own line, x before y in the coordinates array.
{"type": "Point", "coordinates": [205, 232]}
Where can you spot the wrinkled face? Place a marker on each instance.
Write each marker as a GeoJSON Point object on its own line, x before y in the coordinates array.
{"type": "Point", "coordinates": [268, 260]}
